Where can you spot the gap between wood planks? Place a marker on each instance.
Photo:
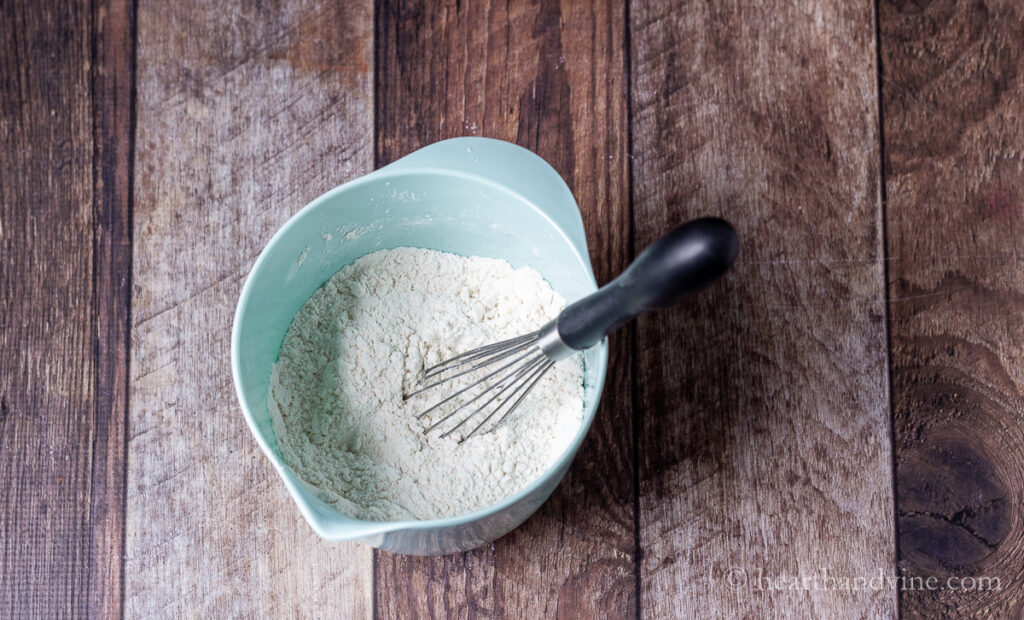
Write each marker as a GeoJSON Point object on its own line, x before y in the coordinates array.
{"type": "Point", "coordinates": [888, 300]}
{"type": "Point", "coordinates": [113, 34]}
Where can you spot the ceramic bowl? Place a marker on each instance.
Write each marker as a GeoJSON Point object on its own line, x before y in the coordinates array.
{"type": "Point", "coordinates": [468, 196]}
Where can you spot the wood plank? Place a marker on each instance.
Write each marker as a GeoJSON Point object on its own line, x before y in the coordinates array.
{"type": "Point", "coordinates": [550, 77]}
{"type": "Point", "coordinates": [65, 96]}
{"type": "Point", "coordinates": [244, 114]}
{"type": "Point", "coordinates": [952, 99]}
{"type": "Point", "coordinates": [764, 449]}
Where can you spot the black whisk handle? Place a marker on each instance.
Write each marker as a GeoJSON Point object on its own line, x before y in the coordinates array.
{"type": "Point", "coordinates": [669, 270]}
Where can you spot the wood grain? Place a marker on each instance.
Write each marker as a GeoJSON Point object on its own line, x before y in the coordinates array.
{"type": "Point", "coordinates": [952, 98]}
{"type": "Point", "coordinates": [550, 77]}
{"type": "Point", "coordinates": [764, 451]}
{"type": "Point", "coordinates": [244, 114]}
{"type": "Point", "coordinates": [65, 95]}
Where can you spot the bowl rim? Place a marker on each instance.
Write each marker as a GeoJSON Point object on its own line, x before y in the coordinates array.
{"type": "Point", "coordinates": [338, 526]}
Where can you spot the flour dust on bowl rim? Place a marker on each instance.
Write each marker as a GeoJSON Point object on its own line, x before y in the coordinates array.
{"type": "Point", "coordinates": [466, 196]}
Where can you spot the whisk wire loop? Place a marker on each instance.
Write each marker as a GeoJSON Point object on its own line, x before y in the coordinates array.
{"type": "Point", "coordinates": [497, 350]}
{"type": "Point", "coordinates": [490, 356]}
{"type": "Point", "coordinates": [472, 385]}
{"type": "Point", "coordinates": [529, 382]}
{"type": "Point", "coordinates": [521, 362]}
{"type": "Point", "coordinates": [511, 381]}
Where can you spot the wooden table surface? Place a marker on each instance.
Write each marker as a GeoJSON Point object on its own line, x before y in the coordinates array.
{"type": "Point", "coordinates": [836, 430]}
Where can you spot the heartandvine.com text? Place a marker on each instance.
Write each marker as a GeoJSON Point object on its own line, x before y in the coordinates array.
{"type": "Point", "coordinates": [824, 580]}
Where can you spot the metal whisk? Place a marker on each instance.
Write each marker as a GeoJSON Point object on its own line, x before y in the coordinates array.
{"type": "Point", "coordinates": [669, 270]}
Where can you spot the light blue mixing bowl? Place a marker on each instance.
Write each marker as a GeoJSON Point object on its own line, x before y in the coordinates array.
{"type": "Point", "coordinates": [468, 196]}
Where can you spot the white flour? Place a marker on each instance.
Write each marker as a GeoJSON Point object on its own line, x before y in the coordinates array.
{"type": "Point", "coordinates": [359, 342]}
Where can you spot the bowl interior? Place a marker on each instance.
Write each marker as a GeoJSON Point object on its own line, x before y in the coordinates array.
{"type": "Point", "coordinates": [442, 211]}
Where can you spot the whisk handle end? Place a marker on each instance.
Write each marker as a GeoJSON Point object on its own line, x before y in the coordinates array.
{"type": "Point", "coordinates": [669, 270]}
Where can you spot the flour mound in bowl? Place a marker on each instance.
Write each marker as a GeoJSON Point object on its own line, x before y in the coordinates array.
{"type": "Point", "coordinates": [359, 343]}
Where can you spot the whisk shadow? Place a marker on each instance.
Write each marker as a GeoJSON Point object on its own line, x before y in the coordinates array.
{"type": "Point", "coordinates": [692, 390]}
